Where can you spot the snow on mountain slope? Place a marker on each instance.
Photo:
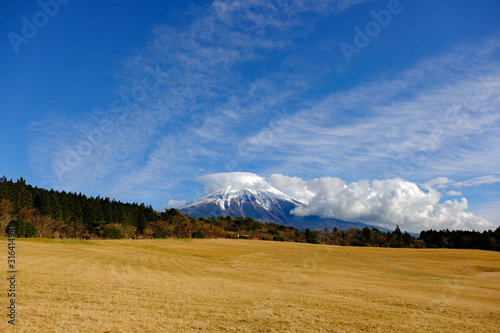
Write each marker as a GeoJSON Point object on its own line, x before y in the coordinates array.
{"type": "Point", "coordinates": [270, 205]}
{"type": "Point", "coordinates": [225, 197]}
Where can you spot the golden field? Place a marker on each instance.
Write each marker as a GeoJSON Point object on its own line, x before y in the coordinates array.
{"type": "Point", "coordinates": [222, 285]}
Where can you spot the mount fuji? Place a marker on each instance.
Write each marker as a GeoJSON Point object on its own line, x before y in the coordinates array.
{"type": "Point", "coordinates": [270, 205]}
{"type": "Point", "coordinates": [253, 197]}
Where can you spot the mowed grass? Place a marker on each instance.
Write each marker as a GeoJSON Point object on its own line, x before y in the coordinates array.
{"type": "Point", "coordinates": [222, 285]}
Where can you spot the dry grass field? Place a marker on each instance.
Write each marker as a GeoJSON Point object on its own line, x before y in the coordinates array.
{"type": "Point", "coordinates": [249, 286]}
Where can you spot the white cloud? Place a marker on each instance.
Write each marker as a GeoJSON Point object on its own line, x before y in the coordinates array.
{"type": "Point", "coordinates": [454, 193]}
{"type": "Point", "coordinates": [443, 182]}
{"type": "Point", "coordinates": [175, 204]}
{"type": "Point", "coordinates": [380, 202]}
{"type": "Point", "coordinates": [488, 179]}
{"type": "Point", "coordinates": [440, 182]}
{"type": "Point", "coordinates": [237, 180]}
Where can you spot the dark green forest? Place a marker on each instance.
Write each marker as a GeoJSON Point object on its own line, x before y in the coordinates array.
{"type": "Point", "coordinates": [37, 212]}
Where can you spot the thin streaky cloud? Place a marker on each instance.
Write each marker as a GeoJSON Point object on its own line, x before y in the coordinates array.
{"type": "Point", "coordinates": [443, 182]}
{"type": "Point", "coordinates": [425, 125]}
{"type": "Point", "coordinates": [197, 68]}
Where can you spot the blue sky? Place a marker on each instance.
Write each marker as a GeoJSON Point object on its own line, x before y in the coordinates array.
{"type": "Point", "coordinates": [137, 100]}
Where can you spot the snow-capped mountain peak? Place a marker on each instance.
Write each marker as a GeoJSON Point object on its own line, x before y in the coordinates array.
{"type": "Point", "coordinates": [265, 204]}
{"type": "Point", "coordinates": [230, 195]}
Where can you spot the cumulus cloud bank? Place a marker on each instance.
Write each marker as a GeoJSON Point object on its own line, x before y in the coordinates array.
{"type": "Point", "coordinates": [385, 203]}
{"type": "Point", "coordinates": [380, 202]}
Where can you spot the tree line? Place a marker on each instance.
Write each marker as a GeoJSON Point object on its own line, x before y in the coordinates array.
{"type": "Point", "coordinates": [37, 212]}
{"type": "Point", "coordinates": [62, 214]}
{"type": "Point", "coordinates": [462, 239]}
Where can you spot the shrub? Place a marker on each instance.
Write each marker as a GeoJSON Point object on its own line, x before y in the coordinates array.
{"type": "Point", "coordinates": [197, 234]}
{"type": "Point", "coordinates": [273, 232]}
{"type": "Point", "coordinates": [159, 234]}
{"type": "Point", "coordinates": [311, 237]}
{"type": "Point", "coordinates": [112, 234]}
{"type": "Point", "coordinates": [21, 229]}
{"type": "Point", "coordinates": [279, 238]}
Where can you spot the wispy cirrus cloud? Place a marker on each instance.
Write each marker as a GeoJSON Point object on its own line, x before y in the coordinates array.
{"type": "Point", "coordinates": [438, 118]}
{"type": "Point", "coordinates": [444, 182]}
{"type": "Point", "coordinates": [182, 102]}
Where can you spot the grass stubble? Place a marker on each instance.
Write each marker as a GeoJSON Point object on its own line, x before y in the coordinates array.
{"type": "Point", "coordinates": [223, 285]}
